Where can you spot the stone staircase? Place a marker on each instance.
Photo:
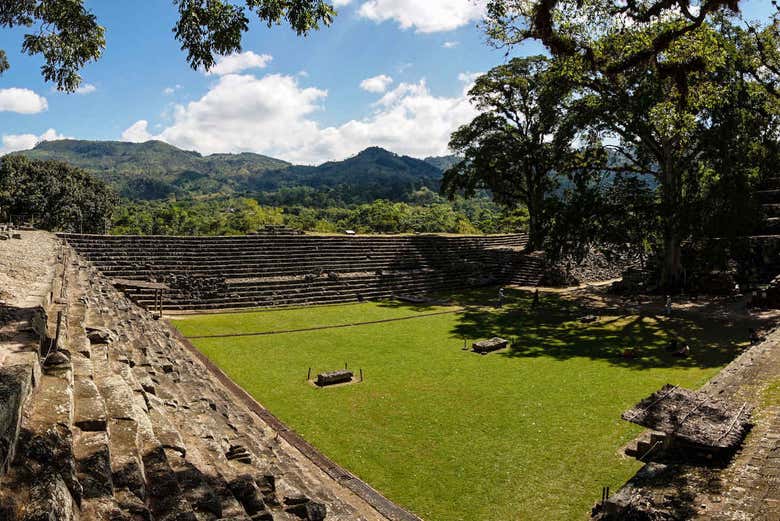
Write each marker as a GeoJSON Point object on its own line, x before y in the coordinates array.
{"type": "Point", "coordinates": [646, 445]}
{"type": "Point", "coordinates": [121, 422]}
{"type": "Point", "coordinates": [208, 273]}
{"type": "Point", "coordinates": [528, 270]}
{"type": "Point", "coordinates": [769, 197]}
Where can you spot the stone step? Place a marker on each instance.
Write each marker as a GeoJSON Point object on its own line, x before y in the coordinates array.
{"type": "Point", "coordinates": [93, 463]}
{"type": "Point", "coordinates": [771, 226]}
{"type": "Point", "coordinates": [771, 210]}
{"type": "Point", "coordinates": [16, 386]}
{"type": "Point", "coordinates": [45, 470]}
{"type": "Point", "coordinates": [165, 498]}
{"type": "Point", "coordinates": [772, 183]}
{"type": "Point", "coordinates": [769, 196]}
{"type": "Point", "coordinates": [89, 406]}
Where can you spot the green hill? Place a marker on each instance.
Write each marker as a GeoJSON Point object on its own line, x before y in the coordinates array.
{"type": "Point", "coordinates": [372, 174]}
{"type": "Point", "coordinates": [156, 170]}
{"type": "Point", "coordinates": [443, 162]}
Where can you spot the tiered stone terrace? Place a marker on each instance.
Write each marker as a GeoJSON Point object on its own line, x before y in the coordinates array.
{"type": "Point", "coordinates": [285, 270]}
{"type": "Point", "coordinates": [123, 421]}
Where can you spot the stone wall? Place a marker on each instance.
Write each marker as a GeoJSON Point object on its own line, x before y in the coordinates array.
{"type": "Point", "coordinates": [123, 420]}
{"type": "Point", "coordinates": [284, 270]}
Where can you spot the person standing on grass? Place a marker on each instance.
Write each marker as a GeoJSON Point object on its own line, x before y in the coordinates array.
{"type": "Point", "coordinates": [668, 305]}
{"type": "Point", "coordinates": [500, 298]}
{"type": "Point", "coordinates": [535, 301]}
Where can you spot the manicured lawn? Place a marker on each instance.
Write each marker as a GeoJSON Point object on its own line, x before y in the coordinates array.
{"type": "Point", "coordinates": [532, 433]}
{"type": "Point", "coordinates": [292, 319]}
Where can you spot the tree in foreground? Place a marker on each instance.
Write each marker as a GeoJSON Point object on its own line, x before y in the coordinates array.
{"type": "Point", "coordinates": [518, 145]}
{"type": "Point", "coordinates": [55, 195]}
{"type": "Point", "coordinates": [649, 78]}
{"type": "Point", "coordinates": [68, 36]}
{"type": "Point", "coordinates": [575, 28]}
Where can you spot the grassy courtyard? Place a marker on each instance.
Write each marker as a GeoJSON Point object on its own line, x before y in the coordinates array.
{"type": "Point", "coordinates": [530, 433]}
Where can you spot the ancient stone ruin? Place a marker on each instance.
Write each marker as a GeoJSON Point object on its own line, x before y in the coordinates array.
{"type": "Point", "coordinates": [108, 414]}
{"type": "Point", "coordinates": [488, 346]}
{"type": "Point", "coordinates": [284, 269]}
{"type": "Point", "coordinates": [334, 378]}
{"type": "Point", "coordinates": [692, 420]}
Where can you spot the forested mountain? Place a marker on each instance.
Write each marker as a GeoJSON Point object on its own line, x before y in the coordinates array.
{"type": "Point", "coordinates": [372, 174]}
{"type": "Point", "coordinates": [443, 162]}
{"type": "Point", "coordinates": [156, 170]}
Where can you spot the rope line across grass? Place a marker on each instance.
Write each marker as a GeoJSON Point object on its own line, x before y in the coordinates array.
{"type": "Point", "coordinates": [337, 326]}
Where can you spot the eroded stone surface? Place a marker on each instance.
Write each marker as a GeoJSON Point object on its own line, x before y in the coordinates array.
{"type": "Point", "coordinates": [138, 429]}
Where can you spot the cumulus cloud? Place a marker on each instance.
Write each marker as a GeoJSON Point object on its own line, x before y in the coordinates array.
{"type": "Point", "coordinates": [377, 84]}
{"type": "Point", "coordinates": [469, 77]}
{"type": "Point", "coordinates": [240, 62]}
{"type": "Point", "coordinates": [23, 101]}
{"type": "Point", "coordinates": [426, 17]}
{"type": "Point", "coordinates": [13, 142]}
{"type": "Point", "coordinates": [138, 132]}
{"type": "Point", "coordinates": [450, 44]}
{"type": "Point", "coordinates": [274, 115]}
{"type": "Point", "coordinates": [86, 88]}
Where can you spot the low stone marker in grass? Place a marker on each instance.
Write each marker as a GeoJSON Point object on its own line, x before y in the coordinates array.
{"type": "Point", "coordinates": [487, 346]}
{"type": "Point", "coordinates": [334, 377]}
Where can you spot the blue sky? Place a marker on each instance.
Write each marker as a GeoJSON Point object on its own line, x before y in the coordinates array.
{"type": "Point", "coordinates": [302, 100]}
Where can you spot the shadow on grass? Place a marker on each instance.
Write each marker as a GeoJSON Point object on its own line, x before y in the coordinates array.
{"type": "Point", "coordinates": [553, 329]}
{"type": "Point", "coordinates": [415, 307]}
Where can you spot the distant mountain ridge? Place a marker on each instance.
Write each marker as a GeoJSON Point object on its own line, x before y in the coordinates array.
{"type": "Point", "coordinates": [156, 170]}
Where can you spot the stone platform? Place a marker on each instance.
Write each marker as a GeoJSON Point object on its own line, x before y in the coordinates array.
{"type": "Point", "coordinates": [748, 487]}
{"type": "Point", "coordinates": [212, 273]}
{"type": "Point", "coordinates": [133, 425]}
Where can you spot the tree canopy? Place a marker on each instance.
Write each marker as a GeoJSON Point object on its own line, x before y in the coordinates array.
{"type": "Point", "coordinates": [518, 143]}
{"type": "Point", "coordinates": [54, 195]}
{"type": "Point", "coordinates": [68, 36]}
{"type": "Point", "coordinates": [578, 28]}
{"type": "Point", "coordinates": [681, 91]}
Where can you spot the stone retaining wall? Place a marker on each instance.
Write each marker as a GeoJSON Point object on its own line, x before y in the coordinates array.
{"type": "Point", "coordinates": [256, 271]}
{"type": "Point", "coordinates": [127, 422]}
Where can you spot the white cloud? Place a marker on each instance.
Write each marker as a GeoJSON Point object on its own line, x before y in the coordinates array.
{"type": "Point", "coordinates": [341, 3]}
{"type": "Point", "coordinates": [273, 115]}
{"type": "Point", "coordinates": [138, 132]}
{"type": "Point", "coordinates": [14, 142]}
{"type": "Point", "coordinates": [170, 90]}
{"type": "Point", "coordinates": [427, 16]}
{"type": "Point", "coordinates": [469, 77]}
{"type": "Point", "coordinates": [86, 88]}
{"type": "Point", "coordinates": [450, 44]}
{"type": "Point", "coordinates": [377, 84]}
{"type": "Point", "coordinates": [240, 62]}
{"type": "Point", "coordinates": [23, 101]}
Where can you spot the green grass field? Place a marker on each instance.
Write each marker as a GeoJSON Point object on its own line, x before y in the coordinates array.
{"type": "Point", "coordinates": [531, 433]}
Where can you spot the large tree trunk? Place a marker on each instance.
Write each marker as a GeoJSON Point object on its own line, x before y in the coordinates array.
{"type": "Point", "coordinates": [536, 229]}
{"type": "Point", "coordinates": [672, 269]}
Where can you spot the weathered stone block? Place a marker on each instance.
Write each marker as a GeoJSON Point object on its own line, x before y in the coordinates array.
{"type": "Point", "coordinates": [487, 346]}
{"type": "Point", "coordinates": [334, 377]}
{"type": "Point", "coordinates": [15, 385]}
